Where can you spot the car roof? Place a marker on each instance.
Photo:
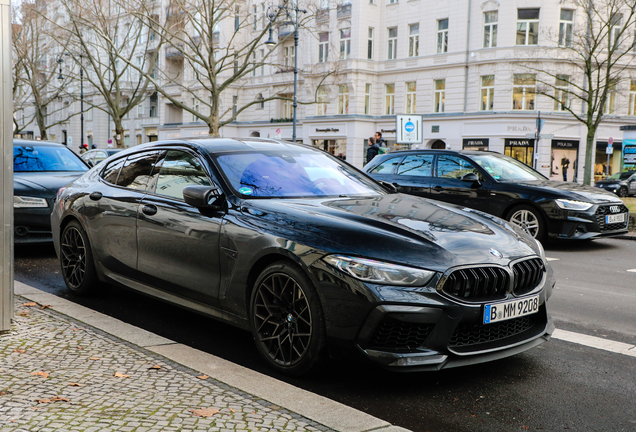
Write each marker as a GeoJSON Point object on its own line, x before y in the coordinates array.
{"type": "Point", "coordinates": [440, 151]}
{"type": "Point", "coordinates": [23, 142]}
{"type": "Point", "coordinates": [220, 145]}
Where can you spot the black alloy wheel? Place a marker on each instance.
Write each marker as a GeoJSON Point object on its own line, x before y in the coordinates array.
{"type": "Point", "coordinates": [286, 319]}
{"type": "Point", "coordinates": [76, 259]}
{"type": "Point", "coordinates": [622, 192]}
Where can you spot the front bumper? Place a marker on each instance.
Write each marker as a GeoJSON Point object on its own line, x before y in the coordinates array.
{"type": "Point", "coordinates": [613, 188]}
{"type": "Point", "coordinates": [32, 225]}
{"type": "Point", "coordinates": [589, 224]}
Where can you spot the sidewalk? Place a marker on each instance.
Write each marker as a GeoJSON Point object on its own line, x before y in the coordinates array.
{"type": "Point", "coordinates": [64, 367]}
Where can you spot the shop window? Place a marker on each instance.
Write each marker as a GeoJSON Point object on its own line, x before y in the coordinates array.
{"type": "Point", "coordinates": [520, 149]}
{"type": "Point", "coordinates": [487, 92]}
{"type": "Point", "coordinates": [523, 91]}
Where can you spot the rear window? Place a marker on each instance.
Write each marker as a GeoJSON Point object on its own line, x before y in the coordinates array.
{"type": "Point", "coordinates": [27, 158]}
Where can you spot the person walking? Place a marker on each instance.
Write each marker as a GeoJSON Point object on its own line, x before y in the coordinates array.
{"type": "Point", "coordinates": [83, 148]}
{"type": "Point", "coordinates": [372, 150]}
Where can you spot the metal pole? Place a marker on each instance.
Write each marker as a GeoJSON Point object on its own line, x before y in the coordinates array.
{"type": "Point", "coordinates": [295, 72]}
{"type": "Point", "coordinates": [81, 102]}
{"type": "Point", "coordinates": [6, 178]}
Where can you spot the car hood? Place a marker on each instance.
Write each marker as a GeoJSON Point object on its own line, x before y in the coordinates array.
{"type": "Point", "coordinates": [42, 184]}
{"type": "Point", "coordinates": [610, 181]}
{"type": "Point", "coordinates": [571, 190]}
{"type": "Point", "coordinates": [396, 228]}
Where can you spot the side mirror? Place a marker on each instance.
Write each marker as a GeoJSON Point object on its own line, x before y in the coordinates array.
{"type": "Point", "coordinates": [471, 178]}
{"type": "Point", "coordinates": [204, 197]}
{"type": "Point", "coordinates": [392, 188]}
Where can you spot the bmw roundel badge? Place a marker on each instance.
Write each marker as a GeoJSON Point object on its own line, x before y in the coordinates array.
{"type": "Point", "coordinates": [496, 253]}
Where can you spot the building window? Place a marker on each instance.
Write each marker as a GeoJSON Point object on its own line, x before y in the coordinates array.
{"type": "Point", "coordinates": [345, 43]}
{"type": "Point", "coordinates": [632, 98]}
{"type": "Point", "coordinates": [324, 4]}
{"type": "Point", "coordinates": [610, 102]}
{"type": "Point", "coordinates": [561, 92]}
{"type": "Point", "coordinates": [370, 44]}
{"type": "Point", "coordinates": [615, 30]}
{"type": "Point", "coordinates": [490, 29]}
{"type": "Point", "coordinates": [254, 63]}
{"type": "Point", "coordinates": [323, 47]}
{"type": "Point", "coordinates": [261, 101]}
{"type": "Point", "coordinates": [196, 105]}
{"type": "Point", "coordinates": [288, 106]}
{"type": "Point", "coordinates": [255, 9]}
{"type": "Point", "coordinates": [389, 90]}
{"type": "Point", "coordinates": [442, 36]}
{"type": "Point", "coordinates": [153, 105]}
{"type": "Point", "coordinates": [523, 91]}
{"type": "Point", "coordinates": [262, 66]}
{"type": "Point", "coordinates": [414, 40]}
{"type": "Point", "coordinates": [393, 1]}
{"type": "Point", "coordinates": [392, 40]}
{"type": "Point", "coordinates": [367, 99]}
{"type": "Point", "coordinates": [237, 18]}
{"type": "Point", "coordinates": [343, 99]}
{"type": "Point", "coordinates": [527, 26]}
{"type": "Point", "coordinates": [289, 57]}
{"type": "Point", "coordinates": [263, 16]}
{"type": "Point", "coordinates": [322, 99]}
{"type": "Point", "coordinates": [487, 92]}
{"type": "Point", "coordinates": [234, 105]}
{"type": "Point", "coordinates": [565, 27]}
{"type": "Point", "coordinates": [410, 97]}
{"type": "Point", "coordinates": [440, 96]}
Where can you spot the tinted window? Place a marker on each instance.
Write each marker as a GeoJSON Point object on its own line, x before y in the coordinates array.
{"type": "Point", "coordinates": [111, 172]}
{"type": "Point", "coordinates": [99, 156]}
{"type": "Point", "coordinates": [505, 168]}
{"type": "Point", "coordinates": [454, 167]}
{"type": "Point", "coordinates": [45, 158]}
{"type": "Point", "coordinates": [176, 171]}
{"type": "Point", "coordinates": [417, 165]}
{"type": "Point", "coordinates": [387, 166]}
{"type": "Point", "coordinates": [135, 173]}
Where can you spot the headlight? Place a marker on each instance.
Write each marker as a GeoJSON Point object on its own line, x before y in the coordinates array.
{"type": "Point", "coordinates": [380, 272]}
{"type": "Point", "coordinates": [572, 205]}
{"type": "Point", "coordinates": [28, 202]}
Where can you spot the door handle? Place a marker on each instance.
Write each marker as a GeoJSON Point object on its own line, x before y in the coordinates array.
{"type": "Point", "coordinates": [438, 188]}
{"type": "Point", "coordinates": [95, 196]}
{"type": "Point", "coordinates": [149, 209]}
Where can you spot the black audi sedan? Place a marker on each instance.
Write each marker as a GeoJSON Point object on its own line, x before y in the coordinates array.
{"type": "Point", "coordinates": [506, 188]}
{"type": "Point", "coordinates": [622, 184]}
{"type": "Point", "coordinates": [40, 169]}
{"type": "Point", "coordinates": [307, 253]}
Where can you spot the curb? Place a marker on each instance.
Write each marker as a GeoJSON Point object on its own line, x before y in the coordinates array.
{"type": "Point", "coordinates": [317, 408]}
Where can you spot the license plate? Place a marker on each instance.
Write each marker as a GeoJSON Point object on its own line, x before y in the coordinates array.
{"type": "Point", "coordinates": [512, 309]}
{"type": "Point", "coordinates": [609, 219]}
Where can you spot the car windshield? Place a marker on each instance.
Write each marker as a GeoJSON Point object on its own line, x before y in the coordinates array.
{"type": "Point", "coordinates": [621, 176]}
{"type": "Point", "coordinates": [505, 168]}
{"type": "Point", "coordinates": [293, 173]}
{"type": "Point", "coordinates": [45, 158]}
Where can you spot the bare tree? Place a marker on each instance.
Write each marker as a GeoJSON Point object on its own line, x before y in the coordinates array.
{"type": "Point", "coordinates": [104, 41]}
{"type": "Point", "coordinates": [596, 52]}
{"type": "Point", "coordinates": [36, 87]}
{"type": "Point", "coordinates": [213, 48]}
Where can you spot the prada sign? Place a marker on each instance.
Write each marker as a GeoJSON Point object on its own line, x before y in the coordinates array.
{"type": "Point", "coordinates": [519, 142]}
{"type": "Point", "coordinates": [565, 144]}
{"type": "Point", "coordinates": [476, 142]}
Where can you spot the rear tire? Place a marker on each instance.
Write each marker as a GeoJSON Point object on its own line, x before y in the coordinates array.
{"type": "Point", "coordinates": [286, 319]}
{"type": "Point", "coordinates": [76, 259]}
{"type": "Point", "coordinates": [529, 220]}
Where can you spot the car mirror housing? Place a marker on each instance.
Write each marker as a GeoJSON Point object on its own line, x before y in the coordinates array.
{"type": "Point", "coordinates": [204, 197]}
{"type": "Point", "coordinates": [471, 178]}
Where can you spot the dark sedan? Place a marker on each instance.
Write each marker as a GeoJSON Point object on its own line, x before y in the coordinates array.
{"type": "Point", "coordinates": [95, 156]}
{"type": "Point", "coordinates": [40, 169]}
{"type": "Point", "coordinates": [622, 184]}
{"type": "Point", "coordinates": [504, 187]}
{"type": "Point", "coordinates": [306, 252]}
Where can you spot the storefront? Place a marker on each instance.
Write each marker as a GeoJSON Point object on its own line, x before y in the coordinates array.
{"type": "Point", "coordinates": [520, 149]}
{"type": "Point", "coordinates": [604, 166]}
{"type": "Point", "coordinates": [564, 160]}
{"type": "Point", "coordinates": [331, 139]}
{"type": "Point", "coordinates": [475, 144]}
{"type": "Point", "coordinates": [337, 147]}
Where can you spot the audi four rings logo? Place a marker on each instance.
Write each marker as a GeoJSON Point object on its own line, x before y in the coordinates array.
{"type": "Point", "coordinates": [496, 253]}
{"type": "Point", "coordinates": [615, 209]}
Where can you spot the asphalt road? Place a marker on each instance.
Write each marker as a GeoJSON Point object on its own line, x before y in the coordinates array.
{"type": "Point", "coordinates": [557, 386]}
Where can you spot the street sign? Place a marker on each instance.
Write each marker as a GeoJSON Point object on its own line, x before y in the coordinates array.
{"type": "Point", "coordinates": [110, 141]}
{"type": "Point", "coordinates": [609, 150]}
{"type": "Point", "coordinates": [610, 141]}
{"type": "Point", "coordinates": [278, 133]}
{"type": "Point", "coordinates": [545, 136]}
{"type": "Point", "coordinates": [69, 140]}
{"type": "Point", "coordinates": [408, 128]}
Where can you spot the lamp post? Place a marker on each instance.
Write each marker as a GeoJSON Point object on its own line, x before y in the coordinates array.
{"type": "Point", "coordinates": [291, 12]}
{"type": "Point", "coordinates": [60, 77]}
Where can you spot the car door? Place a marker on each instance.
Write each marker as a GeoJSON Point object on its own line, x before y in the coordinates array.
{"type": "Point", "coordinates": [179, 245]}
{"type": "Point", "coordinates": [112, 207]}
{"type": "Point", "coordinates": [385, 170]}
{"type": "Point", "coordinates": [447, 184]}
{"type": "Point", "coordinates": [414, 174]}
{"type": "Point", "coordinates": [632, 184]}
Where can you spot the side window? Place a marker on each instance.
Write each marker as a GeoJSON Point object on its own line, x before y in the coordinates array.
{"type": "Point", "coordinates": [135, 173]}
{"type": "Point", "coordinates": [178, 170]}
{"type": "Point", "coordinates": [97, 157]}
{"type": "Point", "coordinates": [417, 165]}
{"type": "Point", "coordinates": [111, 172]}
{"type": "Point", "coordinates": [454, 167]}
{"type": "Point", "coordinates": [387, 166]}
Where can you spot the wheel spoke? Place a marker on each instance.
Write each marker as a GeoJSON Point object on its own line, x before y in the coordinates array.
{"type": "Point", "coordinates": [73, 253]}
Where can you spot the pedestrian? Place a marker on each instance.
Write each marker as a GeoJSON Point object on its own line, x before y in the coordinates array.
{"type": "Point", "coordinates": [382, 147]}
{"type": "Point", "coordinates": [83, 148]}
{"type": "Point", "coordinates": [94, 146]}
{"type": "Point", "coordinates": [373, 149]}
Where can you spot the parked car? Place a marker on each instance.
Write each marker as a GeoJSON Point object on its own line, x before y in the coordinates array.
{"type": "Point", "coordinates": [93, 157]}
{"type": "Point", "coordinates": [504, 187]}
{"type": "Point", "coordinates": [622, 184]}
{"type": "Point", "coordinates": [40, 169]}
{"type": "Point", "coordinates": [304, 250]}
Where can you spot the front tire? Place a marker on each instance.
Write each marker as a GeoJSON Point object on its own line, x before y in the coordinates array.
{"type": "Point", "coordinates": [286, 319]}
{"type": "Point", "coordinates": [529, 220]}
{"type": "Point", "coordinates": [76, 259]}
{"type": "Point", "coordinates": [622, 192]}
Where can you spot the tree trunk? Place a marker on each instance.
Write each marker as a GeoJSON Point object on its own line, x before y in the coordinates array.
{"type": "Point", "coordinates": [588, 169]}
{"type": "Point", "coordinates": [119, 133]}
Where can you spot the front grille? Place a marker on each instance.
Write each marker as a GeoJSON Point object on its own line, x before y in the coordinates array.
{"type": "Point", "coordinates": [477, 283]}
{"type": "Point", "coordinates": [602, 211]}
{"type": "Point", "coordinates": [472, 334]}
{"type": "Point", "coordinates": [394, 335]}
{"type": "Point", "coordinates": [528, 274]}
